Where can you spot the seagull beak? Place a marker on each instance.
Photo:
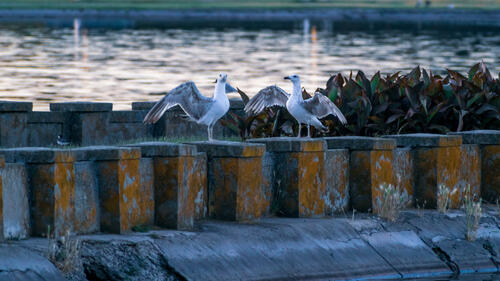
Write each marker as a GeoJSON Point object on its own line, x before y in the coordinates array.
{"type": "Point", "coordinates": [215, 81]}
{"type": "Point", "coordinates": [287, 78]}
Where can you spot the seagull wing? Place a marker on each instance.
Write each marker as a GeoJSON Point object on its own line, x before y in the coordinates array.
{"type": "Point", "coordinates": [267, 97]}
{"type": "Point", "coordinates": [321, 106]}
{"type": "Point", "coordinates": [187, 96]}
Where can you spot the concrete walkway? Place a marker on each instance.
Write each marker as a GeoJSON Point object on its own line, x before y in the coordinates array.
{"type": "Point", "coordinates": [420, 244]}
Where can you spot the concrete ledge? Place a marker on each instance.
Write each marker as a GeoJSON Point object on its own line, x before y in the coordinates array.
{"type": "Point", "coordinates": [37, 155]}
{"type": "Point", "coordinates": [165, 149]}
{"type": "Point", "coordinates": [104, 153]}
{"type": "Point", "coordinates": [234, 103]}
{"type": "Point", "coordinates": [127, 116]}
{"type": "Point", "coordinates": [360, 143]}
{"type": "Point", "coordinates": [426, 140]}
{"type": "Point", "coordinates": [229, 149]}
{"type": "Point", "coordinates": [15, 106]}
{"type": "Point", "coordinates": [482, 137]}
{"type": "Point", "coordinates": [16, 214]}
{"type": "Point", "coordinates": [81, 106]}
{"type": "Point", "coordinates": [291, 144]}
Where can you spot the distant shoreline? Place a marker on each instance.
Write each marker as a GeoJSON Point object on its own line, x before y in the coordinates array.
{"type": "Point", "coordinates": [350, 17]}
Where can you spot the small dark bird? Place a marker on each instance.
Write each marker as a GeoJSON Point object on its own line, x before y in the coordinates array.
{"type": "Point", "coordinates": [62, 142]}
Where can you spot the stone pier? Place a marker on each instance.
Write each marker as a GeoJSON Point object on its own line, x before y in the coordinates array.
{"type": "Point", "coordinates": [370, 166]}
{"type": "Point", "coordinates": [234, 179]}
{"type": "Point", "coordinates": [178, 185]}
{"type": "Point", "coordinates": [437, 161]}
{"type": "Point", "coordinates": [298, 178]}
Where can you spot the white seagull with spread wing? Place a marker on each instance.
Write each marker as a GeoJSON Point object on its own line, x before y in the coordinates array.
{"type": "Point", "coordinates": [304, 111]}
{"type": "Point", "coordinates": [201, 109]}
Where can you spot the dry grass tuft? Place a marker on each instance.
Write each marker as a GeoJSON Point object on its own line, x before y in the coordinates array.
{"type": "Point", "coordinates": [444, 198]}
{"type": "Point", "coordinates": [64, 252]}
{"type": "Point", "coordinates": [390, 202]}
{"type": "Point", "coordinates": [473, 213]}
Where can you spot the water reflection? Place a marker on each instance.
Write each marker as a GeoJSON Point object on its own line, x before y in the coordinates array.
{"type": "Point", "coordinates": [43, 65]}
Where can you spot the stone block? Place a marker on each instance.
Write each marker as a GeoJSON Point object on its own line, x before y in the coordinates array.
{"type": "Point", "coordinates": [179, 182]}
{"type": "Point", "coordinates": [87, 211]}
{"type": "Point", "coordinates": [147, 199]}
{"type": "Point", "coordinates": [336, 195]}
{"type": "Point", "coordinates": [13, 129]}
{"type": "Point", "coordinates": [437, 161]}
{"type": "Point", "coordinates": [298, 176]}
{"type": "Point", "coordinates": [51, 183]}
{"type": "Point", "coordinates": [117, 170]}
{"type": "Point", "coordinates": [234, 179]}
{"type": "Point", "coordinates": [404, 172]}
{"type": "Point", "coordinates": [44, 127]}
{"type": "Point", "coordinates": [127, 125]}
{"type": "Point", "coordinates": [15, 106]}
{"type": "Point", "coordinates": [489, 154]}
{"type": "Point", "coordinates": [370, 166]}
{"type": "Point", "coordinates": [470, 169]}
{"type": "Point", "coordinates": [490, 175]}
{"type": "Point", "coordinates": [16, 209]}
{"type": "Point", "coordinates": [81, 106]}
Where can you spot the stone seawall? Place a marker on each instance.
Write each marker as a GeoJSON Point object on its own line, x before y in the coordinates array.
{"type": "Point", "coordinates": [119, 189]}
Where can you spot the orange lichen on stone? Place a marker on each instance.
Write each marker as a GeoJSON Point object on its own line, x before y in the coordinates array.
{"type": "Point", "coordinates": [249, 198]}
{"type": "Point", "coordinates": [470, 170]}
{"type": "Point", "coordinates": [310, 182]}
{"type": "Point", "coordinates": [404, 172]}
{"type": "Point", "coordinates": [180, 196]}
{"type": "Point", "coordinates": [129, 185]}
{"type": "Point", "coordinates": [64, 197]}
{"type": "Point", "coordinates": [448, 171]}
{"type": "Point", "coordinates": [490, 173]}
{"type": "Point", "coordinates": [382, 172]}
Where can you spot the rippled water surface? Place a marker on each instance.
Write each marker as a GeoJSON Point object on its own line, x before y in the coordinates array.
{"type": "Point", "coordinates": [44, 65]}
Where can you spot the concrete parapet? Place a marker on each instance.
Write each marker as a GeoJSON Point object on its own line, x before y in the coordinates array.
{"type": "Point", "coordinates": [178, 183]}
{"type": "Point", "coordinates": [489, 154]}
{"type": "Point", "coordinates": [234, 179]}
{"type": "Point", "coordinates": [118, 178]}
{"type": "Point", "coordinates": [51, 184]}
{"type": "Point", "coordinates": [16, 209]}
{"type": "Point", "coordinates": [13, 123]}
{"type": "Point", "coordinates": [88, 122]}
{"type": "Point", "coordinates": [298, 183]}
{"type": "Point", "coordinates": [336, 169]}
{"type": "Point", "coordinates": [87, 210]}
{"type": "Point", "coordinates": [370, 166]}
{"type": "Point", "coordinates": [437, 160]}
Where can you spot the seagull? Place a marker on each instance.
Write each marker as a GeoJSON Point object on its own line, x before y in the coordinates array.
{"type": "Point", "coordinates": [201, 109]}
{"type": "Point", "coordinates": [62, 142]}
{"type": "Point", "coordinates": [304, 111]}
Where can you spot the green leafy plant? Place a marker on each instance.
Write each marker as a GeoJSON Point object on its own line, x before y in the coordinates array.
{"type": "Point", "coordinates": [417, 102]}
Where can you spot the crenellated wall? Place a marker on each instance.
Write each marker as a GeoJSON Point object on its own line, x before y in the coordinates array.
{"type": "Point", "coordinates": [116, 189]}
{"type": "Point", "coordinates": [87, 123]}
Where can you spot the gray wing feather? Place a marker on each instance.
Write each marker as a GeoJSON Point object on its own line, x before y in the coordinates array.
{"type": "Point", "coordinates": [187, 96]}
{"type": "Point", "coordinates": [321, 106]}
{"type": "Point", "coordinates": [267, 97]}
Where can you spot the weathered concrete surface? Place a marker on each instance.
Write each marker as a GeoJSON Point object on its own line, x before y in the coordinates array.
{"type": "Point", "coordinates": [16, 209]}
{"type": "Point", "coordinates": [117, 171]}
{"type": "Point", "coordinates": [490, 177]}
{"type": "Point", "coordinates": [87, 211]}
{"type": "Point", "coordinates": [81, 106]}
{"type": "Point", "coordinates": [234, 179]}
{"type": "Point", "coordinates": [18, 263]}
{"type": "Point", "coordinates": [147, 198]}
{"type": "Point", "coordinates": [370, 166]}
{"type": "Point", "coordinates": [336, 169]}
{"type": "Point", "coordinates": [404, 172]}
{"type": "Point", "coordinates": [420, 244]}
{"type": "Point", "coordinates": [437, 161]}
{"type": "Point", "coordinates": [298, 177]}
{"type": "Point", "coordinates": [178, 183]}
{"type": "Point", "coordinates": [470, 170]}
{"type": "Point", "coordinates": [482, 137]}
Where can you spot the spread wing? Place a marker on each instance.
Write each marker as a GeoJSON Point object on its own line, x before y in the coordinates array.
{"type": "Point", "coordinates": [187, 96]}
{"type": "Point", "coordinates": [321, 106]}
{"type": "Point", "coordinates": [267, 97]}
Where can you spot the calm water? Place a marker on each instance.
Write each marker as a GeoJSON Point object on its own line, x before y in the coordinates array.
{"type": "Point", "coordinates": [44, 65]}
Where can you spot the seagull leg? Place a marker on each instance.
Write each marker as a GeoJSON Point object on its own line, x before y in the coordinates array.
{"type": "Point", "coordinates": [308, 130]}
{"type": "Point", "coordinates": [298, 134]}
{"type": "Point", "coordinates": [209, 133]}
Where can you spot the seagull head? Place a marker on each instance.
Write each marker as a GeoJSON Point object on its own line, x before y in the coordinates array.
{"type": "Point", "coordinates": [222, 78]}
{"type": "Point", "coordinates": [294, 78]}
